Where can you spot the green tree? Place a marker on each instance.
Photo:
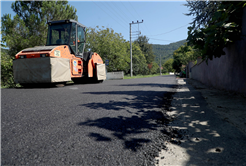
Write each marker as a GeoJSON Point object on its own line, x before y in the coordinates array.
{"type": "Point", "coordinates": [166, 51]}
{"type": "Point", "coordinates": [28, 28]}
{"type": "Point", "coordinates": [7, 79]}
{"type": "Point", "coordinates": [155, 68]}
{"type": "Point", "coordinates": [109, 45]}
{"type": "Point", "coordinates": [203, 12]}
{"type": "Point", "coordinates": [138, 60]}
{"type": "Point", "coordinates": [168, 66]}
{"type": "Point", "coordinates": [183, 55]}
{"type": "Point", "coordinates": [221, 27]}
{"type": "Point", "coordinates": [146, 48]}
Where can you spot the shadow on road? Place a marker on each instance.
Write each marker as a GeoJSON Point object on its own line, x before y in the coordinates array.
{"type": "Point", "coordinates": [123, 128]}
{"type": "Point", "coordinates": [137, 115]}
{"type": "Point", "coordinates": [150, 85]}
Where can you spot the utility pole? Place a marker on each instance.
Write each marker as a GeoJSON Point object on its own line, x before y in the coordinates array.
{"type": "Point", "coordinates": [131, 40]}
{"type": "Point", "coordinates": [160, 64]}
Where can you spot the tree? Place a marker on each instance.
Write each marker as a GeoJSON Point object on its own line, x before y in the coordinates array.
{"type": "Point", "coordinates": [168, 66]}
{"type": "Point", "coordinates": [183, 55]}
{"type": "Point", "coordinates": [203, 12]}
{"type": "Point", "coordinates": [166, 51]}
{"type": "Point", "coordinates": [112, 46]}
{"type": "Point", "coordinates": [139, 62]}
{"type": "Point", "coordinates": [155, 68]}
{"type": "Point", "coordinates": [109, 45]}
{"type": "Point", "coordinates": [146, 48]}
{"type": "Point", "coordinates": [7, 79]}
{"type": "Point", "coordinates": [29, 26]}
{"type": "Point", "coordinates": [220, 28]}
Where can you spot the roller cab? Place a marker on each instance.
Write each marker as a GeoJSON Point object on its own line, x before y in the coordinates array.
{"type": "Point", "coordinates": [62, 59]}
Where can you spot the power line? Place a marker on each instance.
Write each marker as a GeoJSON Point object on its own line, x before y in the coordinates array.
{"type": "Point", "coordinates": [128, 11]}
{"type": "Point", "coordinates": [117, 13]}
{"type": "Point", "coordinates": [169, 31]}
{"type": "Point", "coordinates": [161, 40]}
{"type": "Point", "coordinates": [118, 8]}
{"type": "Point", "coordinates": [113, 12]}
{"type": "Point", "coordinates": [134, 10]}
{"type": "Point", "coordinates": [110, 15]}
{"type": "Point", "coordinates": [130, 14]}
{"type": "Point", "coordinates": [139, 16]}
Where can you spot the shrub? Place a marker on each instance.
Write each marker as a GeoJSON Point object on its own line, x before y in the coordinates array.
{"type": "Point", "coordinates": [7, 78]}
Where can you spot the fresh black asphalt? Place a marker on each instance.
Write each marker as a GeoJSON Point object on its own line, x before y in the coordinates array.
{"type": "Point", "coordinates": [113, 123]}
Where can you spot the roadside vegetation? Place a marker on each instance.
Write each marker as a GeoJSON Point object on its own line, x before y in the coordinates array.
{"type": "Point", "coordinates": [216, 25]}
{"type": "Point", "coordinates": [7, 79]}
{"type": "Point", "coordinates": [166, 51]}
{"type": "Point", "coordinates": [143, 76]}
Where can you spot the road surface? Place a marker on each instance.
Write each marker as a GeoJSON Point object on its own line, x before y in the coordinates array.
{"type": "Point", "coordinates": [114, 123]}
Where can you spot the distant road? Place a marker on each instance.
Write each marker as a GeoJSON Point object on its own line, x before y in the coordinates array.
{"type": "Point", "coordinates": [111, 123]}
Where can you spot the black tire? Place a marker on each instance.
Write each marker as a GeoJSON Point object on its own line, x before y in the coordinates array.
{"type": "Point", "coordinates": [100, 81]}
{"type": "Point", "coordinates": [39, 85]}
{"type": "Point", "coordinates": [79, 80]}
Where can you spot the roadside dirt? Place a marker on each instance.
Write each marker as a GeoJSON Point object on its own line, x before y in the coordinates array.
{"type": "Point", "coordinates": [231, 106]}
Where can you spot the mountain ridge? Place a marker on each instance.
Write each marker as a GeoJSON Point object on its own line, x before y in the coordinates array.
{"type": "Point", "coordinates": [166, 51]}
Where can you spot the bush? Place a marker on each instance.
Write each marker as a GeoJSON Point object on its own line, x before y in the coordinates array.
{"type": "Point", "coordinates": [7, 77]}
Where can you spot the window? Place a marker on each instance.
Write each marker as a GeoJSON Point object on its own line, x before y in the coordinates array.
{"type": "Point", "coordinates": [81, 39]}
{"type": "Point", "coordinates": [73, 38]}
{"type": "Point", "coordinates": [58, 34]}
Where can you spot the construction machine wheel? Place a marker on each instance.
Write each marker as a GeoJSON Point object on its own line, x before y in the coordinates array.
{"type": "Point", "coordinates": [100, 81]}
{"type": "Point", "coordinates": [44, 85]}
{"type": "Point", "coordinates": [36, 85]}
{"type": "Point", "coordinates": [86, 80]}
{"type": "Point", "coordinates": [79, 80]}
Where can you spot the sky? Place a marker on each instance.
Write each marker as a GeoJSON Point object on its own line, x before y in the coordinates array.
{"type": "Point", "coordinates": [164, 22]}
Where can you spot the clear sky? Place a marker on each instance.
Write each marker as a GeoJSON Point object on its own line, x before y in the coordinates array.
{"type": "Point", "coordinates": [164, 22]}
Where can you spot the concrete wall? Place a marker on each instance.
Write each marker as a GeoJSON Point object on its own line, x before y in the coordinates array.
{"type": "Point", "coordinates": [227, 72]}
{"type": "Point", "coordinates": [188, 69]}
{"type": "Point", "coordinates": [115, 75]}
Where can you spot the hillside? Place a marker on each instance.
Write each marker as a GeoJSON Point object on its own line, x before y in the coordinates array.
{"type": "Point", "coordinates": [166, 51]}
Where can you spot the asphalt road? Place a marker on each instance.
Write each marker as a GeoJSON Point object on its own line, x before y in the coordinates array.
{"type": "Point", "coordinates": [113, 123]}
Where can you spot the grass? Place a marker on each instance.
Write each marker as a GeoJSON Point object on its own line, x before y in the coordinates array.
{"type": "Point", "coordinates": [142, 76]}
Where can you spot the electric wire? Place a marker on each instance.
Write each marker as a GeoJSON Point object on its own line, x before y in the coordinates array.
{"type": "Point", "coordinates": [134, 10]}
{"type": "Point", "coordinates": [161, 40]}
{"type": "Point", "coordinates": [130, 14]}
{"type": "Point", "coordinates": [110, 15]}
{"type": "Point", "coordinates": [169, 31]}
{"type": "Point", "coordinates": [116, 12]}
{"type": "Point", "coordinates": [122, 12]}
{"type": "Point", "coordinates": [128, 11]}
{"type": "Point", "coordinates": [113, 13]}
{"type": "Point", "coordinates": [139, 17]}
